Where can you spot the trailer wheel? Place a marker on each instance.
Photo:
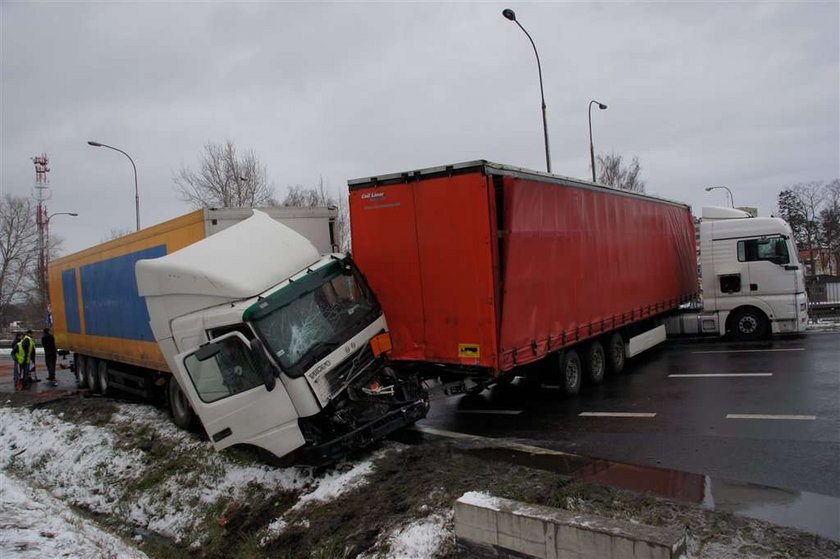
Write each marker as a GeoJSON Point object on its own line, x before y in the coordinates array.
{"type": "Point", "coordinates": [102, 376]}
{"type": "Point", "coordinates": [749, 324]}
{"type": "Point", "coordinates": [91, 376]}
{"type": "Point", "coordinates": [570, 372]}
{"type": "Point", "coordinates": [182, 414]}
{"type": "Point", "coordinates": [616, 356]}
{"type": "Point", "coordinates": [81, 367]}
{"type": "Point", "coordinates": [594, 361]}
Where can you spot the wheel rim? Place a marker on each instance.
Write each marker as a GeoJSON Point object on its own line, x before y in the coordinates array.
{"type": "Point", "coordinates": [103, 378]}
{"type": "Point", "coordinates": [90, 374]}
{"type": "Point", "coordinates": [572, 373]}
{"type": "Point", "coordinates": [597, 364]}
{"type": "Point", "coordinates": [179, 402]}
{"type": "Point", "coordinates": [748, 324]}
{"type": "Point", "coordinates": [618, 351]}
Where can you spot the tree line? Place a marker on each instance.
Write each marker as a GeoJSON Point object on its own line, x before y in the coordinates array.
{"type": "Point", "coordinates": [813, 211]}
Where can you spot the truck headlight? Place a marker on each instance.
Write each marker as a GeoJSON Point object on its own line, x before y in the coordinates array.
{"type": "Point", "coordinates": [803, 306]}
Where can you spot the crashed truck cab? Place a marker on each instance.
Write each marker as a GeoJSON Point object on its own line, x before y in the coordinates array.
{"type": "Point", "coordinates": [276, 346]}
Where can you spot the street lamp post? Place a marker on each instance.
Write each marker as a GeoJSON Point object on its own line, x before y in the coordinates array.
{"type": "Point", "coordinates": [731, 200]}
{"type": "Point", "coordinates": [45, 261]}
{"type": "Point", "coordinates": [511, 15]}
{"type": "Point", "coordinates": [591, 145]}
{"type": "Point", "coordinates": [136, 191]}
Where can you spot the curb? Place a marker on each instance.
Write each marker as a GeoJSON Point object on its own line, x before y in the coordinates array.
{"type": "Point", "coordinates": [492, 527]}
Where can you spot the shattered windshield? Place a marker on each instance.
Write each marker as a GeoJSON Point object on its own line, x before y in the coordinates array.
{"type": "Point", "coordinates": [306, 320]}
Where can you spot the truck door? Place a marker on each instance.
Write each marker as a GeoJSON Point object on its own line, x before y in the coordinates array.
{"type": "Point", "coordinates": [774, 274]}
{"type": "Point", "coordinates": [225, 383]}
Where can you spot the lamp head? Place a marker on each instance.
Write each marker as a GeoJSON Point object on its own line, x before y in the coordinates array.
{"type": "Point", "coordinates": [94, 144]}
{"type": "Point", "coordinates": [73, 214]}
{"type": "Point", "coordinates": [709, 188]}
{"type": "Point", "coordinates": [602, 106]}
{"type": "Point", "coordinates": [509, 14]}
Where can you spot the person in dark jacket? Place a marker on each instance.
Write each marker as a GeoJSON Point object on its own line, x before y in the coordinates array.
{"type": "Point", "coordinates": [50, 354]}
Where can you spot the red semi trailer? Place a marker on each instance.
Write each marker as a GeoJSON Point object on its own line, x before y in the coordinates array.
{"type": "Point", "coordinates": [487, 271]}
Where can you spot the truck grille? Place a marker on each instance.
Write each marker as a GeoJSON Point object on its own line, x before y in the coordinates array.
{"type": "Point", "coordinates": [343, 373]}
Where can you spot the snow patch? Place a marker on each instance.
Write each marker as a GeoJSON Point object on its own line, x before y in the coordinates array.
{"type": "Point", "coordinates": [422, 538]}
{"type": "Point", "coordinates": [36, 524]}
{"type": "Point", "coordinates": [479, 499]}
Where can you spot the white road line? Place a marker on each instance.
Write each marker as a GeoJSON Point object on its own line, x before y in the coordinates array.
{"type": "Point", "coordinates": [501, 443]}
{"type": "Point", "coordinates": [751, 350]}
{"type": "Point", "coordinates": [717, 375]}
{"type": "Point", "coordinates": [764, 416]}
{"type": "Point", "coordinates": [492, 412]}
{"type": "Point", "coordinates": [614, 414]}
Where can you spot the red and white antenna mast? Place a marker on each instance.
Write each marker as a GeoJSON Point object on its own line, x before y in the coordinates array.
{"type": "Point", "coordinates": [42, 194]}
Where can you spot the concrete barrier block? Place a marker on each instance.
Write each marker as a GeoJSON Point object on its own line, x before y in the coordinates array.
{"type": "Point", "coordinates": [495, 527]}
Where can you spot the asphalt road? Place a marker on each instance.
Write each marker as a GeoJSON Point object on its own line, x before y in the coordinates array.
{"type": "Point", "coordinates": [779, 425]}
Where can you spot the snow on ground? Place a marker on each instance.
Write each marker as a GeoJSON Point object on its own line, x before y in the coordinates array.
{"type": "Point", "coordinates": [422, 538]}
{"type": "Point", "coordinates": [33, 523]}
{"type": "Point", "coordinates": [91, 467]}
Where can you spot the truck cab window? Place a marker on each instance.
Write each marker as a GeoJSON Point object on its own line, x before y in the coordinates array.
{"type": "Point", "coordinates": [773, 250]}
{"type": "Point", "coordinates": [229, 372]}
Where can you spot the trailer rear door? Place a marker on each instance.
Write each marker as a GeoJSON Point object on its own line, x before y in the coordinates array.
{"type": "Point", "coordinates": [438, 234]}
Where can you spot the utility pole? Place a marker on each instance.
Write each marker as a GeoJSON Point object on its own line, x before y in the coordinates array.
{"type": "Point", "coordinates": [42, 194]}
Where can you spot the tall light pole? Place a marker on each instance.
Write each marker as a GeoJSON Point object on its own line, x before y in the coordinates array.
{"type": "Point", "coordinates": [511, 15]}
{"type": "Point", "coordinates": [136, 191]}
{"type": "Point", "coordinates": [591, 145]}
{"type": "Point", "coordinates": [731, 200]}
{"type": "Point", "coordinates": [45, 262]}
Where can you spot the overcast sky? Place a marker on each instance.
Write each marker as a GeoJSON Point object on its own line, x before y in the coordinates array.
{"type": "Point", "coordinates": [745, 95]}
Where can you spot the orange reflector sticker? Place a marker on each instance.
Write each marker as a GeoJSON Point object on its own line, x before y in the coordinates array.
{"type": "Point", "coordinates": [381, 344]}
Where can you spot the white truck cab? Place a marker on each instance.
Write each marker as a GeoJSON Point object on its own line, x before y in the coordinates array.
{"type": "Point", "coordinates": [274, 345]}
{"type": "Point", "coordinates": [752, 282]}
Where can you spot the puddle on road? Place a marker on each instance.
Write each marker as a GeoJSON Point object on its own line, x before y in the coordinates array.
{"type": "Point", "coordinates": [809, 512]}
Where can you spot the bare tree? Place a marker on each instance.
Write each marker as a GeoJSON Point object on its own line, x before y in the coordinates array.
{"type": "Point", "coordinates": [613, 173]}
{"type": "Point", "coordinates": [116, 233]}
{"type": "Point", "coordinates": [300, 196]}
{"type": "Point", "coordinates": [18, 250]}
{"type": "Point", "coordinates": [225, 179]}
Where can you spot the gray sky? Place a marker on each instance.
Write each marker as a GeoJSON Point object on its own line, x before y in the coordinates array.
{"type": "Point", "coordinates": [745, 95]}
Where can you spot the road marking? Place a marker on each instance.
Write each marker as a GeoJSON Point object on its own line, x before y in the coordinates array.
{"type": "Point", "coordinates": [501, 443]}
{"type": "Point", "coordinates": [751, 350]}
{"type": "Point", "coordinates": [614, 414]}
{"type": "Point", "coordinates": [499, 412]}
{"type": "Point", "coordinates": [764, 416]}
{"type": "Point", "coordinates": [717, 375]}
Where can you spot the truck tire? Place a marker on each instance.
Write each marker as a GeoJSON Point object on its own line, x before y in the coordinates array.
{"type": "Point", "coordinates": [182, 413]}
{"type": "Point", "coordinates": [594, 362]}
{"type": "Point", "coordinates": [616, 356]}
{"type": "Point", "coordinates": [80, 366]}
{"type": "Point", "coordinates": [571, 372]}
{"type": "Point", "coordinates": [91, 374]}
{"type": "Point", "coordinates": [102, 377]}
{"type": "Point", "coordinates": [748, 324]}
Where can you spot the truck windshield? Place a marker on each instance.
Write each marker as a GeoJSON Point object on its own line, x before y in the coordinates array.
{"type": "Point", "coordinates": [307, 319]}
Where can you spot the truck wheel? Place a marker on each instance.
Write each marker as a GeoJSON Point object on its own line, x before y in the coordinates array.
{"type": "Point", "coordinates": [749, 324]}
{"type": "Point", "coordinates": [616, 356]}
{"type": "Point", "coordinates": [102, 377]}
{"type": "Point", "coordinates": [594, 362]}
{"type": "Point", "coordinates": [570, 372]}
{"type": "Point", "coordinates": [182, 414]}
{"type": "Point", "coordinates": [81, 367]}
{"type": "Point", "coordinates": [91, 376]}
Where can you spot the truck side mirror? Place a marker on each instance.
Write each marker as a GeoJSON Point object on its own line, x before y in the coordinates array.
{"type": "Point", "coordinates": [266, 369]}
{"type": "Point", "coordinates": [207, 351]}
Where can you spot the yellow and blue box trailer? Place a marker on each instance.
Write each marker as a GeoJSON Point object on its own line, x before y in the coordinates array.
{"type": "Point", "coordinates": [97, 310]}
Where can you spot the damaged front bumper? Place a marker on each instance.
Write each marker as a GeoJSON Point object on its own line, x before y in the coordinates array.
{"type": "Point", "coordinates": [336, 449]}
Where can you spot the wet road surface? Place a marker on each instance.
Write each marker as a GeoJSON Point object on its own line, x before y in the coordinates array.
{"type": "Point", "coordinates": [777, 423]}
